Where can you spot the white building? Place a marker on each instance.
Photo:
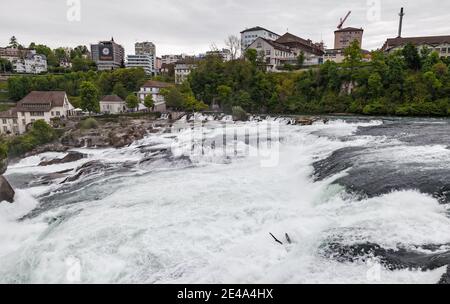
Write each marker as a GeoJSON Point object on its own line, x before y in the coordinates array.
{"type": "Point", "coordinates": [182, 71]}
{"type": "Point", "coordinates": [32, 64]}
{"type": "Point", "coordinates": [248, 36]}
{"type": "Point", "coordinates": [9, 122]}
{"type": "Point", "coordinates": [36, 106]}
{"type": "Point", "coordinates": [146, 62]}
{"type": "Point", "coordinates": [439, 44]}
{"type": "Point", "coordinates": [335, 55]}
{"type": "Point", "coordinates": [112, 104]}
{"type": "Point", "coordinates": [154, 88]}
{"type": "Point", "coordinates": [274, 54]}
{"type": "Point", "coordinates": [225, 54]}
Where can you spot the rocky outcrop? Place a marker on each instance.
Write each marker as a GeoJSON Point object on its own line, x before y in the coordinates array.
{"type": "Point", "coordinates": [6, 191]}
{"type": "Point", "coordinates": [71, 157]}
{"type": "Point", "coordinates": [3, 165]}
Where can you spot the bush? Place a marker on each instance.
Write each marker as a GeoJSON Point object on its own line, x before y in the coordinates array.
{"type": "Point", "coordinates": [89, 123]}
{"type": "Point", "coordinates": [39, 134]}
{"type": "Point", "coordinates": [239, 114]}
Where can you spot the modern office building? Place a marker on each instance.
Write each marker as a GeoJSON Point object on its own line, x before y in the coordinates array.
{"type": "Point", "coordinates": [145, 61]}
{"type": "Point", "coordinates": [108, 55]}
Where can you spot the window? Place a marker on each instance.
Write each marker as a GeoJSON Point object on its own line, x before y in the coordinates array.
{"type": "Point", "coordinates": [268, 52]}
{"type": "Point", "coordinates": [5, 129]}
{"type": "Point", "coordinates": [15, 121]}
{"type": "Point", "coordinates": [4, 121]}
{"type": "Point", "coordinates": [53, 114]}
{"type": "Point", "coordinates": [58, 113]}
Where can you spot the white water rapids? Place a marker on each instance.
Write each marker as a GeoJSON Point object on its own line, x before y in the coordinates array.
{"type": "Point", "coordinates": [209, 221]}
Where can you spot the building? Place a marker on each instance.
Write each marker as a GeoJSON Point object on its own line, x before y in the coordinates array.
{"type": "Point", "coordinates": [9, 122]}
{"type": "Point", "coordinates": [112, 104]}
{"type": "Point", "coordinates": [35, 106]}
{"type": "Point", "coordinates": [336, 55]}
{"type": "Point", "coordinates": [146, 62]}
{"type": "Point", "coordinates": [182, 70]}
{"type": "Point", "coordinates": [171, 59]}
{"type": "Point", "coordinates": [12, 54]}
{"type": "Point", "coordinates": [225, 54]}
{"type": "Point", "coordinates": [248, 36]}
{"type": "Point", "coordinates": [343, 38]}
{"type": "Point", "coordinates": [274, 54]}
{"type": "Point", "coordinates": [154, 88]}
{"type": "Point", "coordinates": [145, 48]}
{"type": "Point", "coordinates": [31, 64]}
{"type": "Point", "coordinates": [108, 55]}
{"type": "Point", "coordinates": [313, 52]}
{"type": "Point", "coordinates": [439, 44]}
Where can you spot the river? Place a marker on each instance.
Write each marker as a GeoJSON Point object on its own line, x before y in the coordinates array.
{"type": "Point", "coordinates": [362, 200]}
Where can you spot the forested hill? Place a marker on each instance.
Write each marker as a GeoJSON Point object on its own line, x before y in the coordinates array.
{"type": "Point", "coordinates": [408, 82]}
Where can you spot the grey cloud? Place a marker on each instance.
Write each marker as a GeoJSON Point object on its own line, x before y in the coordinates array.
{"type": "Point", "coordinates": [191, 26]}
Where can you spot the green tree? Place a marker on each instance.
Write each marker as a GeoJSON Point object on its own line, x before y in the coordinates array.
{"type": "Point", "coordinates": [5, 66]}
{"type": "Point", "coordinates": [412, 57]}
{"type": "Point", "coordinates": [375, 85]}
{"type": "Point", "coordinates": [13, 42]}
{"type": "Point", "coordinates": [132, 101]}
{"type": "Point", "coordinates": [301, 60]}
{"type": "Point", "coordinates": [120, 90]}
{"type": "Point", "coordinates": [90, 97]}
{"type": "Point", "coordinates": [174, 98]}
{"type": "Point", "coordinates": [148, 101]}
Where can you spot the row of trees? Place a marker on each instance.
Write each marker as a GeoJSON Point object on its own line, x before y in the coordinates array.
{"type": "Point", "coordinates": [407, 82]}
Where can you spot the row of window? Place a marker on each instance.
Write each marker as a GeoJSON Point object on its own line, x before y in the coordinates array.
{"type": "Point", "coordinates": [5, 121]}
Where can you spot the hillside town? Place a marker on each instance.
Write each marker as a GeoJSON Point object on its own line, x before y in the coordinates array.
{"type": "Point", "coordinates": [276, 52]}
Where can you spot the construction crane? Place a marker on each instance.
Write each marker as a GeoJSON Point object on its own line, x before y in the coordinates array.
{"type": "Point", "coordinates": [343, 20]}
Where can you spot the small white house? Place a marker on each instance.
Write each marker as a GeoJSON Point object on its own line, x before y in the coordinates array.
{"type": "Point", "coordinates": [9, 124]}
{"type": "Point", "coordinates": [154, 88]}
{"type": "Point", "coordinates": [112, 104]}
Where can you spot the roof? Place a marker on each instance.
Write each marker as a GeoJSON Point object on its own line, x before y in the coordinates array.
{"type": "Point", "coordinates": [350, 29]}
{"type": "Point", "coordinates": [41, 101]}
{"type": "Point", "coordinates": [257, 28]}
{"type": "Point", "coordinates": [430, 40]}
{"type": "Point", "coordinates": [156, 84]}
{"type": "Point", "coordinates": [293, 41]}
{"type": "Point", "coordinates": [112, 98]}
{"type": "Point", "coordinates": [11, 113]}
{"type": "Point", "coordinates": [274, 44]}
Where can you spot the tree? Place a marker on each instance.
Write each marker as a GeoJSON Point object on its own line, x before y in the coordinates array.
{"type": "Point", "coordinates": [375, 85]}
{"type": "Point", "coordinates": [412, 57]}
{"type": "Point", "coordinates": [120, 90]}
{"type": "Point", "coordinates": [148, 101]}
{"type": "Point", "coordinates": [300, 59]}
{"type": "Point", "coordinates": [234, 45]}
{"type": "Point", "coordinates": [132, 101]}
{"type": "Point", "coordinates": [174, 98]}
{"type": "Point", "coordinates": [252, 56]}
{"type": "Point", "coordinates": [353, 57]}
{"type": "Point", "coordinates": [13, 42]}
{"type": "Point", "coordinates": [89, 96]}
{"type": "Point", "coordinates": [5, 66]}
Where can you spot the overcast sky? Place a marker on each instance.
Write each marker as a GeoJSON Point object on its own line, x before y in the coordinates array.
{"type": "Point", "coordinates": [191, 26]}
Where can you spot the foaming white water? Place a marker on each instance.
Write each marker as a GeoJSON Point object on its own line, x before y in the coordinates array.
{"type": "Point", "coordinates": [210, 222]}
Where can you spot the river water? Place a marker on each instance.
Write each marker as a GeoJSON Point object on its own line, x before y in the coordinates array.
{"type": "Point", "coordinates": [362, 201]}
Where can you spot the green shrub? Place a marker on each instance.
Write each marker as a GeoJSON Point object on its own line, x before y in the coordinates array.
{"type": "Point", "coordinates": [89, 123]}
{"type": "Point", "coordinates": [239, 114]}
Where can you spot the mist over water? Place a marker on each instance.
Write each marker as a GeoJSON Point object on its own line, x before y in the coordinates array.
{"type": "Point", "coordinates": [155, 213]}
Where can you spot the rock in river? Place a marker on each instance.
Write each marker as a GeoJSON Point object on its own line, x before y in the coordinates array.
{"type": "Point", "coordinates": [6, 191]}
{"type": "Point", "coordinates": [71, 157]}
